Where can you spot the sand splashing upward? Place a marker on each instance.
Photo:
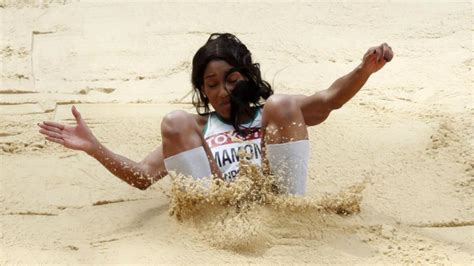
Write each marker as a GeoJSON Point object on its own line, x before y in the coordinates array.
{"type": "Point", "coordinates": [250, 214]}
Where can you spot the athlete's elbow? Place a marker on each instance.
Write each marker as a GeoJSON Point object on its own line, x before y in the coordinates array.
{"type": "Point", "coordinates": [137, 180]}
{"type": "Point", "coordinates": [142, 186]}
{"type": "Point", "coordinates": [334, 105]}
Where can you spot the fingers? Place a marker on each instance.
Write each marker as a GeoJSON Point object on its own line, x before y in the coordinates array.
{"type": "Point", "coordinates": [49, 128]}
{"type": "Point", "coordinates": [379, 53]}
{"type": "Point", "coordinates": [53, 124]}
{"type": "Point", "coordinates": [384, 49]}
{"type": "Point", "coordinates": [50, 133]}
{"type": "Point", "coordinates": [76, 114]}
{"type": "Point", "coordinates": [57, 140]}
{"type": "Point", "coordinates": [388, 53]}
{"type": "Point", "coordinates": [382, 52]}
{"type": "Point", "coordinates": [369, 52]}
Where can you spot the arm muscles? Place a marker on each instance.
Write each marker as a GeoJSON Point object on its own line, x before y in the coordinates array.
{"type": "Point", "coordinates": [316, 108]}
{"type": "Point", "coordinates": [140, 175]}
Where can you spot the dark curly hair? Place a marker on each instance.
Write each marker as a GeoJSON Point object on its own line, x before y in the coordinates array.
{"type": "Point", "coordinates": [227, 47]}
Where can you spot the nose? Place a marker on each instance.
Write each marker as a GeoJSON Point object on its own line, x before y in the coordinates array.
{"type": "Point", "coordinates": [224, 91]}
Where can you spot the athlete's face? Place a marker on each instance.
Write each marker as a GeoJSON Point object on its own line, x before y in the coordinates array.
{"type": "Point", "coordinates": [217, 86]}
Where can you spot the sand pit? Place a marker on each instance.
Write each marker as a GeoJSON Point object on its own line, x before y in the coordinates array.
{"type": "Point", "coordinates": [390, 175]}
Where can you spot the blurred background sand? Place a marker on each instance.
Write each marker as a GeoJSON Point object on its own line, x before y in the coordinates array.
{"type": "Point", "coordinates": [408, 134]}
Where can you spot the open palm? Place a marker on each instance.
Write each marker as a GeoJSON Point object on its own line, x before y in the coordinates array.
{"type": "Point", "coordinates": [78, 137]}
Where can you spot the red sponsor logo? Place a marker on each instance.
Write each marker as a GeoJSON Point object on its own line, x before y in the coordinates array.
{"type": "Point", "coordinates": [231, 136]}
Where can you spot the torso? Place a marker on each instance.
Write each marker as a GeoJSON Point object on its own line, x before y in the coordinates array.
{"type": "Point", "coordinates": [225, 143]}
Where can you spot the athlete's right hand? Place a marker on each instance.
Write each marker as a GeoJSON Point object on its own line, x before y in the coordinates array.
{"type": "Point", "coordinates": [78, 137]}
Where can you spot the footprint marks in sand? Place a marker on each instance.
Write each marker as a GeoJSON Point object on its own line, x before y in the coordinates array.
{"type": "Point", "coordinates": [32, 213]}
{"type": "Point", "coordinates": [89, 90]}
{"type": "Point", "coordinates": [105, 202]}
{"type": "Point", "coordinates": [9, 51]}
{"type": "Point", "coordinates": [452, 138]}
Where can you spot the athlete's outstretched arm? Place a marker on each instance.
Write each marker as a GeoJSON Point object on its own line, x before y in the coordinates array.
{"type": "Point", "coordinates": [316, 107]}
{"type": "Point", "coordinates": [79, 137]}
{"type": "Point", "coordinates": [137, 174]}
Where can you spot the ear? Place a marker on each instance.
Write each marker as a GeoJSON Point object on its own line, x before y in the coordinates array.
{"type": "Point", "coordinates": [203, 93]}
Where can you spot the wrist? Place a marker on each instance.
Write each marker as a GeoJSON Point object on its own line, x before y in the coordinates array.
{"type": "Point", "coordinates": [94, 149]}
{"type": "Point", "coordinates": [360, 69]}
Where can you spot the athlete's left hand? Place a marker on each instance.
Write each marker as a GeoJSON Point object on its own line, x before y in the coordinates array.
{"type": "Point", "coordinates": [376, 57]}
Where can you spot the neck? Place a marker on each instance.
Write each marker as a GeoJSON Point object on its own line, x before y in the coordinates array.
{"type": "Point", "coordinates": [243, 118]}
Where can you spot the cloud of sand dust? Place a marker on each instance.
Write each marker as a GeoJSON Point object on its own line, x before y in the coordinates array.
{"type": "Point", "coordinates": [251, 213]}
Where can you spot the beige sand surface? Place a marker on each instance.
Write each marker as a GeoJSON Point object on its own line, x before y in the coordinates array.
{"type": "Point", "coordinates": [407, 136]}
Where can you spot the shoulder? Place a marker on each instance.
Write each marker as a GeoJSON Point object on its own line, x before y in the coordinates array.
{"type": "Point", "coordinates": [201, 120]}
{"type": "Point", "coordinates": [178, 117]}
{"type": "Point", "coordinates": [283, 100]}
{"type": "Point", "coordinates": [284, 97]}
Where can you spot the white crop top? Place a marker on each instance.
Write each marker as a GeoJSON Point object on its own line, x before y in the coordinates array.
{"type": "Point", "coordinates": [225, 143]}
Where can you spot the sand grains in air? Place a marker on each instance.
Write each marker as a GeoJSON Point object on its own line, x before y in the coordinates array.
{"type": "Point", "coordinates": [241, 215]}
